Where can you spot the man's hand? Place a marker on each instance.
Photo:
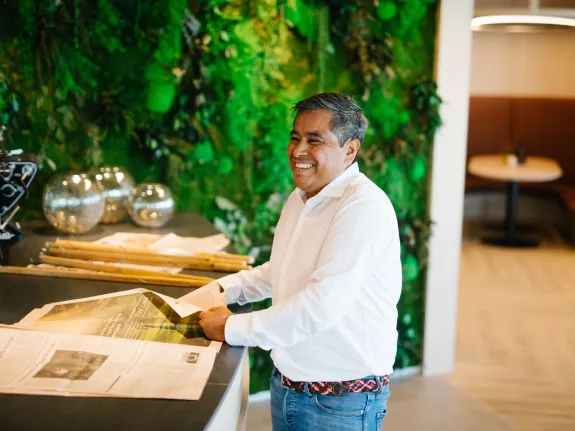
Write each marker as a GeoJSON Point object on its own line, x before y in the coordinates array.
{"type": "Point", "coordinates": [213, 322]}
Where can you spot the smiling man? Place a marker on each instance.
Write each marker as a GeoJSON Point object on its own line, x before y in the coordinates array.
{"type": "Point", "coordinates": [334, 277]}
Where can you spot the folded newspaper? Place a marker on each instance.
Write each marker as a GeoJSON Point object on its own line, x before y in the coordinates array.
{"type": "Point", "coordinates": [136, 343]}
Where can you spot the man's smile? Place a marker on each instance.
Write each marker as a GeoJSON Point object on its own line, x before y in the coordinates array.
{"type": "Point", "coordinates": [302, 168]}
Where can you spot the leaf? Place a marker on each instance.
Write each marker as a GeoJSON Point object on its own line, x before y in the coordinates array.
{"type": "Point", "coordinates": [226, 165]}
{"type": "Point", "coordinates": [51, 163]}
{"type": "Point", "coordinates": [225, 204]}
{"type": "Point", "coordinates": [220, 225]}
{"type": "Point", "coordinates": [60, 136]}
{"type": "Point", "coordinates": [204, 152]}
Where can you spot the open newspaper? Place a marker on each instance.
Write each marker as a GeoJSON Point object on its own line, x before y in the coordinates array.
{"type": "Point", "coordinates": [42, 363]}
{"type": "Point", "coordinates": [136, 343]}
{"type": "Point", "coordinates": [136, 314]}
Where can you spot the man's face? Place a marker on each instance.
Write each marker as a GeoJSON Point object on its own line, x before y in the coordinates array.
{"type": "Point", "coordinates": [314, 152]}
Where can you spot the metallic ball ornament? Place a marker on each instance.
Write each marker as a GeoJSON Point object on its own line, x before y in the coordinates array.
{"type": "Point", "coordinates": [73, 202]}
{"type": "Point", "coordinates": [151, 205]}
{"type": "Point", "coordinates": [117, 184]}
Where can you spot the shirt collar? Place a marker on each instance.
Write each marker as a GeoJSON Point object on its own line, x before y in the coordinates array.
{"type": "Point", "coordinates": [336, 188]}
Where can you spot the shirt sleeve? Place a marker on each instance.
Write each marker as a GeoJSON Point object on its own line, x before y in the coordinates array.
{"type": "Point", "coordinates": [248, 285]}
{"type": "Point", "coordinates": [357, 239]}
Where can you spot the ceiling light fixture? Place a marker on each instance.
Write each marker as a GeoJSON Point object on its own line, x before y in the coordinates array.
{"type": "Point", "coordinates": [530, 19]}
{"type": "Point", "coordinates": [521, 23]}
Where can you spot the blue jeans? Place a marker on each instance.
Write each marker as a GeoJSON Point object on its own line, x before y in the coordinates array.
{"type": "Point", "coordinates": [301, 411]}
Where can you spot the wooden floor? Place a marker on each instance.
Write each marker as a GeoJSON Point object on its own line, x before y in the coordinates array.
{"type": "Point", "coordinates": [516, 332]}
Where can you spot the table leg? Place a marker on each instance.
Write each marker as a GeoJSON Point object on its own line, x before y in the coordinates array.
{"type": "Point", "coordinates": [510, 239]}
{"type": "Point", "coordinates": [511, 213]}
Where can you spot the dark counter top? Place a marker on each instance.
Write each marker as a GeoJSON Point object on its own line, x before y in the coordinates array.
{"type": "Point", "coordinates": [20, 294]}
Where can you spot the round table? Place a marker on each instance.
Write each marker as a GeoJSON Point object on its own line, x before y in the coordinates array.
{"type": "Point", "coordinates": [534, 170]}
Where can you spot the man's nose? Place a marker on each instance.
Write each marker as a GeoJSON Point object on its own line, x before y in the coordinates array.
{"type": "Point", "coordinates": [300, 149]}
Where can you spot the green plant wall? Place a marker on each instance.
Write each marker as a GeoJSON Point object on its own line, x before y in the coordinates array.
{"type": "Point", "coordinates": [198, 94]}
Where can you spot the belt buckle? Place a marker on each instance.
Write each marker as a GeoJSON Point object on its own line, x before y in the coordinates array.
{"type": "Point", "coordinates": [340, 390]}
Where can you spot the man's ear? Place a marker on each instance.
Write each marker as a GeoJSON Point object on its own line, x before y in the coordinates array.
{"type": "Point", "coordinates": [352, 149]}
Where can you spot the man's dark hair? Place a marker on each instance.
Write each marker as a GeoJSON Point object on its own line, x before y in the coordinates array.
{"type": "Point", "coordinates": [347, 119]}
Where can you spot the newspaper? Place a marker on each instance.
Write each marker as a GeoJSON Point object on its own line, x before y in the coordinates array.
{"type": "Point", "coordinates": [207, 297]}
{"type": "Point", "coordinates": [140, 240]}
{"type": "Point", "coordinates": [136, 314]}
{"type": "Point", "coordinates": [33, 362]}
{"type": "Point", "coordinates": [169, 243]}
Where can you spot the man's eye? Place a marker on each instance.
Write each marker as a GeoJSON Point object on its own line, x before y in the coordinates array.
{"type": "Point", "coordinates": [294, 139]}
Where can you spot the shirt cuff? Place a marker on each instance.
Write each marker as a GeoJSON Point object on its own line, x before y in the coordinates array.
{"type": "Point", "coordinates": [237, 330]}
{"type": "Point", "coordinates": [231, 288]}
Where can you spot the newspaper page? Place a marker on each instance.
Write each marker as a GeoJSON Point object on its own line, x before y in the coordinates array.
{"type": "Point", "coordinates": [138, 240]}
{"type": "Point", "coordinates": [169, 243]}
{"type": "Point", "coordinates": [33, 362]}
{"type": "Point", "coordinates": [136, 314]}
{"type": "Point", "coordinates": [174, 244]}
{"type": "Point", "coordinates": [129, 239]}
{"type": "Point", "coordinates": [207, 297]}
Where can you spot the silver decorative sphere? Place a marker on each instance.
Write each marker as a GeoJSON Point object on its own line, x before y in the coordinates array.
{"type": "Point", "coordinates": [117, 184]}
{"type": "Point", "coordinates": [151, 205]}
{"type": "Point", "coordinates": [73, 202]}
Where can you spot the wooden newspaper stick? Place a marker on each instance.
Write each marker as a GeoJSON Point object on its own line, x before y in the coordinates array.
{"type": "Point", "coordinates": [108, 256]}
{"type": "Point", "coordinates": [102, 276]}
{"type": "Point", "coordinates": [226, 256]}
{"type": "Point", "coordinates": [83, 245]}
{"type": "Point", "coordinates": [175, 261]}
{"type": "Point", "coordinates": [90, 266]}
{"type": "Point", "coordinates": [86, 247]}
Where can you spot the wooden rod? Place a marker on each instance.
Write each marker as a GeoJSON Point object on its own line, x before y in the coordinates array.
{"type": "Point", "coordinates": [83, 245]}
{"type": "Point", "coordinates": [175, 261]}
{"type": "Point", "coordinates": [90, 266]}
{"type": "Point", "coordinates": [228, 256]}
{"type": "Point", "coordinates": [245, 260]}
{"type": "Point", "coordinates": [108, 256]}
{"type": "Point", "coordinates": [102, 276]}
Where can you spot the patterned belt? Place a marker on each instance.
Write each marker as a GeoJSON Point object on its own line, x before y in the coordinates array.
{"type": "Point", "coordinates": [337, 388]}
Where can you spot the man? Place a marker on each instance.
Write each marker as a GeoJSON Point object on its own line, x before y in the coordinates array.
{"type": "Point", "coordinates": [334, 277]}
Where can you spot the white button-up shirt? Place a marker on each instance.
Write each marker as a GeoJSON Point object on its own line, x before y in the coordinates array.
{"type": "Point", "coordinates": [334, 276]}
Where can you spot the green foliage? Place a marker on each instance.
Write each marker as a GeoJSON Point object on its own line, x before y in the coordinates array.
{"type": "Point", "coordinates": [199, 95]}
